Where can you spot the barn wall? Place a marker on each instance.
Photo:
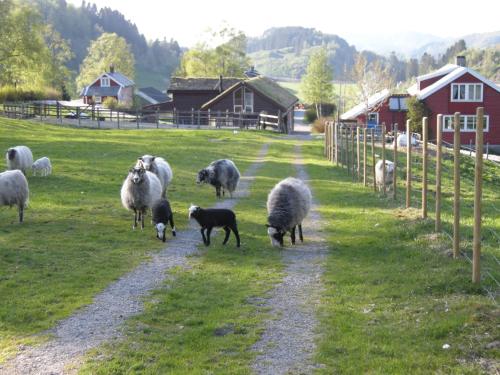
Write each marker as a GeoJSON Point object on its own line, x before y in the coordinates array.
{"type": "Point", "coordinates": [185, 101]}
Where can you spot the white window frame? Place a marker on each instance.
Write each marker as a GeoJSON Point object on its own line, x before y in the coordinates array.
{"type": "Point", "coordinates": [105, 82]}
{"type": "Point", "coordinates": [466, 92]}
{"type": "Point", "coordinates": [248, 106]}
{"type": "Point", "coordinates": [373, 113]}
{"type": "Point", "coordinates": [98, 99]}
{"type": "Point", "coordinates": [464, 121]}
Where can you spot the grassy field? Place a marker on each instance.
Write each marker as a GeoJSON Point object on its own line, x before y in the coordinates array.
{"type": "Point", "coordinates": [392, 296]}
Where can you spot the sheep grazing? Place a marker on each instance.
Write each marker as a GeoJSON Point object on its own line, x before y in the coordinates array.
{"type": "Point", "coordinates": [140, 190]}
{"type": "Point", "coordinates": [402, 140]}
{"type": "Point", "coordinates": [162, 214]}
{"type": "Point", "coordinates": [160, 168]}
{"type": "Point", "coordinates": [222, 174]}
{"type": "Point", "coordinates": [42, 166]}
{"type": "Point", "coordinates": [19, 157]}
{"type": "Point", "coordinates": [14, 191]}
{"type": "Point", "coordinates": [288, 204]}
{"type": "Point", "coordinates": [215, 217]}
{"type": "Point", "coordinates": [389, 174]}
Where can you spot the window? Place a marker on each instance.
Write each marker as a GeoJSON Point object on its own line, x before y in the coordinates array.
{"type": "Point", "coordinates": [373, 118]}
{"type": "Point", "coordinates": [467, 123]}
{"type": "Point", "coordinates": [97, 99]}
{"type": "Point", "coordinates": [398, 104]}
{"type": "Point", "coordinates": [105, 82]}
{"type": "Point", "coordinates": [466, 92]}
{"type": "Point", "coordinates": [243, 100]}
{"type": "Point", "coordinates": [248, 101]}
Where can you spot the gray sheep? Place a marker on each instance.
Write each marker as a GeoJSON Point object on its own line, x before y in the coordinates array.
{"type": "Point", "coordinates": [42, 166]}
{"type": "Point", "coordinates": [14, 191]}
{"type": "Point", "coordinates": [288, 204]}
{"type": "Point", "coordinates": [19, 157]}
{"type": "Point", "coordinates": [140, 190]}
{"type": "Point", "coordinates": [160, 168]}
{"type": "Point", "coordinates": [222, 174]}
{"type": "Point", "coordinates": [389, 174]}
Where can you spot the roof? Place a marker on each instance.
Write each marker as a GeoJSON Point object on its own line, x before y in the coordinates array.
{"type": "Point", "coordinates": [152, 95]}
{"type": "Point", "coordinates": [265, 86]}
{"type": "Point", "coordinates": [120, 79]}
{"type": "Point", "coordinates": [450, 77]}
{"type": "Point", "coordinates": [100, 91]}
{"type": "Point", "coordinates": [441, 71]}
{"type": "Point", "coordinates": [200, 84]}
{"type": "Point", "coordinates": [361, 108]}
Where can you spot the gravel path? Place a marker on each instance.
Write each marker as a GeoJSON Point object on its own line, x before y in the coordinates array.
{"type": "Point", "coordinates": [102, 320]}
{"type": "Point", "coordinates": [288, 343]}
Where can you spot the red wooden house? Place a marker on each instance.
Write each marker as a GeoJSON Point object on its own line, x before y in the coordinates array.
{"type": "Point", "coordinates": [456, 88]}
{"type": "Point", "coordinates": [111, 84]}
{"type": "Point", "coordinates": [383, 108]}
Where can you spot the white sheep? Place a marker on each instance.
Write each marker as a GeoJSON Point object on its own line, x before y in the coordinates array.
{"type": "Point", "coordinates": [288, 204]}
{"type": "Point", "coordinates": [42, 166]}
{"type": "Point", "coordinates": [402, 140]}
{"type": "Point", "coordinates": [160, 168]}
{"type": "Point", "coordinates": [140, 190]}
{"type": "Point", "coordinates": [389, 174]}
{"type": "Point", "coordinates": [14, 191]}
{"type": "Point", "coordinates": [19, 157]}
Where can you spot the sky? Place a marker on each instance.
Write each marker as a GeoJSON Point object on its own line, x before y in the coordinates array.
{"type": "Point", "coordinates": [187, 20]}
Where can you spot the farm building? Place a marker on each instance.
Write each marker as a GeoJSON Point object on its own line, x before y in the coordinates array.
{"type": "Point", "coordinates": [109, 85]}
{"type": "Point", "coordinates": [457, 88]}
{"type": "Point", "coordinates": [149, 96]}
{"type": "Point", "coordinates": [383, 108]}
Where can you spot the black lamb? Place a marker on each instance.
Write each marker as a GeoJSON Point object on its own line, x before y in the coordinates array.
{"type": "Point", "coordinates": [215, 217]}
{"type": "Point", "coordinates": [162, 214]}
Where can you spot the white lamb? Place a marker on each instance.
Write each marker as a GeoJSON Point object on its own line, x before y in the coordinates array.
{"type": "Point", "coordinates": [19, 157]}
{"type": "Point", "coordinates": [42, 166]}
{"type": "Point", "coordinates": [14, 191]}
{"type": "Point", "coordinates": [160, 168]}
{"type": "Point", "coordinates": [389, 174]}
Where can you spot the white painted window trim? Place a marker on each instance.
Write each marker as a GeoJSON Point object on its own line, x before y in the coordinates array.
{"type": "Point", "coordinates": [245, 101]}
{"type": "Point", "coordinates": [451, 117]}
{"type": "Point", "coordinates": [373, 113]}
{"type": "Point", "coordinates": [105, 80]}
{"type": "Point", "coordinates": [96, 100]}
{"type": "Point", "coordinates": [467, 85]}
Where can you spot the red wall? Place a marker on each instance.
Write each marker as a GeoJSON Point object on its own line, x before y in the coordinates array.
{"type": "Point", "coordinates": [430, 81]}
{"type": "Point", "coordinates": [98, 83]}
{"type": "Point", "coordinates": [440, 103]}
{"type": "Point", "coordinates": [388, 117]}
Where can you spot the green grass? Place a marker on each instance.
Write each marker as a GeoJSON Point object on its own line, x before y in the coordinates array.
{"type": "Point", "coordinates": [77, 238]}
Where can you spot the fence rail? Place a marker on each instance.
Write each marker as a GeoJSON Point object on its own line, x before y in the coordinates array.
{"type": "Point", "coordinates": [93, 116]}
{"type": "Point", "coordinates": [461, 210]}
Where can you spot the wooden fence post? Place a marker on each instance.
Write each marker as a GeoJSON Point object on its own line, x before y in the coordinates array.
{"type": "Point", "coordinates": [425, 136]}
{"type": "Point", "coordinates": [372, 133]}
{"type": "Point", "coordinates": [209, 118]}
{"type": "Point", "coordinates": [384, 167]}
{"type": "Point", "coordinates": [98, 118]}
{"type": "Point", "coordinates": [364, 156]}
{"type": "Point", "coordinates": [470, 147]}
{"type": "Point", "coordinates": [137, 117]}
{"type": "Point", "coordinates": [456, 180]}
{"type": "Point", "coordinates": [358, 152]}
{"type": "Point", "coordinates": [353, 155]}
{"type": "Point", "coordinates": [118, 118]}
{"type": "Point", "coordinates": [332, 141]}
{"type": "Point", "coordinates": [478, 190]}
{"type": "Point", "coordinates": [157, 117]}
{"type": "Point", "coordinates": [439, 157]}
{"type": "Point", "coordinates": [325, 148]}
{"type": "Point", "coordinates": [347, 152]}
{"type": "Point", "coordinates": [408, 164]}
{"type": "Point", "coordinates": [336, 141]}
{"type": "Point", "coordinates": [395, 160]}
{"type": "Point", "coordinates": [487, 150]}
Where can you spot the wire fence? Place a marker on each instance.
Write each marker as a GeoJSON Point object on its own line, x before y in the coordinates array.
{"type": "Point", "coordinates": [458, 192]}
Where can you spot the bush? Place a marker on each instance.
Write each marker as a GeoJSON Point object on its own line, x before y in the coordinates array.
{"type": "Point", "coordinates": [310, 115]}
{"type": "Point", "coordinates": [416, 110]}
{"type": "Point", "coordinates": [319, 125]}
{"type": "Point", "coordinates": [13, 94]}
{"type": "Point", "coordinates": [110, 103]}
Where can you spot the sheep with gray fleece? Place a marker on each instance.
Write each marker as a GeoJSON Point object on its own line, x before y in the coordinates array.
{"type": "Point", "coordinates": [14, 191]}
{"type": "Point", "coordinates": [140, 190]}
{"type": "Point", "coordinates": [288, 204]}
{"type": "Point", "coordinates": [42, 166]}
{"type": "Point", "coordinates": [160, 168]}
{"type": "Point", "coordinates": [389, 174]}
{"type": "Point", "coordinates": [221, 174]}
{"type": "Point", "coordinates": [19, 157]}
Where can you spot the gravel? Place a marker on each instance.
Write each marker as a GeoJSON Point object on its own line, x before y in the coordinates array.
{"type": "Point", "coordinates": [102, 320]}
{"type": "Point", "coordinates": [288, 343]}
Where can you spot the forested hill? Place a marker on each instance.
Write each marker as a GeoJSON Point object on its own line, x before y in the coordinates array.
{"type": "Point", "coordinates": [155, 60]}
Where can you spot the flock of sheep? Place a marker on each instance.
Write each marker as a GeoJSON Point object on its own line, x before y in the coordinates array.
{"type": "Point", "coordinates": [145, 189]}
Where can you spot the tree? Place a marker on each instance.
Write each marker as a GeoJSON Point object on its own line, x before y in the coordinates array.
{"type": "Point", "coordinates": [316, 84]}
{"type": "Point", "coordinates": [228, 58]}
{"type": "Point", "coordinates": [109, 49]}
{"type": "Point", "coordinates": [370, 79]}
{"type": "Point", "coordinates": [416, 111]}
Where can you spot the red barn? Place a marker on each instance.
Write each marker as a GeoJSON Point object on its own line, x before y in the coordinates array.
{"type": "Point", "coordinates": [383, 108]}
{"type": "Point", "coordinates": [456, 88]}
{"type": "Point", "coordinates": [111, 84]}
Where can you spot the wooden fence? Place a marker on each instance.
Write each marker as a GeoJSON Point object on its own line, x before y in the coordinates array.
{"type": "Point", "coordinates": [96, 117]}
{"type": "Point", "coordinates": [348, 147]}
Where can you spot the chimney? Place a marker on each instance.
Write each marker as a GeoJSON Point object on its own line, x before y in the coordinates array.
{"type": "Point", "coordinates": [111, 68]}
{"type": "Point", "coordinates": [220, 84]}
{"type": "Point", "coordinates": [461, 61]}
